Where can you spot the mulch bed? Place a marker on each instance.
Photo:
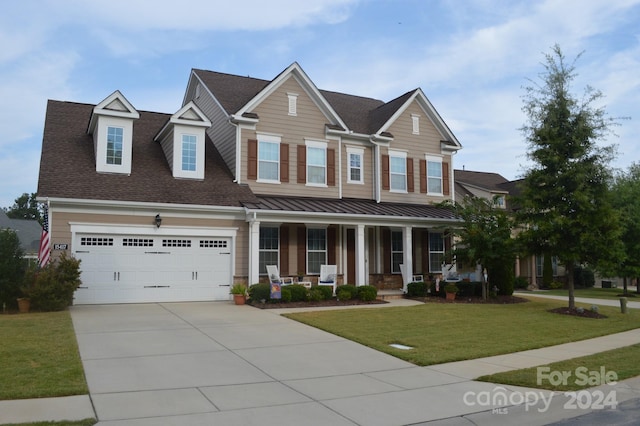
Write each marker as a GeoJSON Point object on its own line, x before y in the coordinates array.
{"type": "Point", "coordinates": [586, 313]}
{"type": "Point", "coordinates": [497, 300]}
{"type": "Point", "coordinates": [320, 304]}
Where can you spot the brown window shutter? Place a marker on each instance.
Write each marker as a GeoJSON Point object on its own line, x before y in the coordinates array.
{"type": "Point", "coordinates": [331, 245]}
{"type": "Point", "coordinates": [423, 176]}
{"type": "Point", "coordinates": [302, 249]}
{"type": "Point", "coordinates": [302, 164]}
{"type": "Point", "coordinates": [445, 178]}
{"type": "Point", "coordinates": [284, 162]}
{"type": "Point", "coordinates": [284, 250]}
{"type": "Point", "coordinates": [386, 251]}
{"type": "Point", "coordinates": [252, 157]}
{"type": "Point", "coordinates": [331, 170]}
{"type": "Point", "coordinates": [410, 182]}
{"type": "Point", "coordinates": [385, 172]}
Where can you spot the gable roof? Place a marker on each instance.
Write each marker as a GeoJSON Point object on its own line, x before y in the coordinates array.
{"type": "Point", "coordinates": [360, 114]}
{"type": "Point", "coordinates": [28, 231]}
{"type": "Point", "coordinates": [67, 165]}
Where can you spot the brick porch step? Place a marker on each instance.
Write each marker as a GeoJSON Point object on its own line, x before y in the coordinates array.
{"type": "Point", "coordinates": [390, 294]}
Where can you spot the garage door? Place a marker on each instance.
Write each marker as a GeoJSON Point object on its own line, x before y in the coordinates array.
{"type": "Point", "coordinates": [135, 269]}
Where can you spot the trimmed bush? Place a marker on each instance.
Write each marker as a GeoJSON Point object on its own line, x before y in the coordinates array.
{"type": "Point", "coordinates": [367, 293]}
{"type": "Point", "coordinates": [52, 287]}
{"type": "Point", "coordinates": [259, 292]}
{"type": "Point", "coordinates": [12, 267]}
{"type": "Point", "coordinates": [285, 295]}
{"type": "Point", "coordinates": [316, 294]}
{"type": "Point", "coordinates": [520, 283]}
{"type": "Point", "coordinates": [299, 293]}
{"type": "Point", "coordinates": [469, 288]}
{"type": "Point", "coordinates": [343, 294]}
{"type": "Point", "coordinates": [417, 289]}
{"type": "Point", "coordinates": [327, 291]}
{"type": "Point", "coordinates": [352, 289]}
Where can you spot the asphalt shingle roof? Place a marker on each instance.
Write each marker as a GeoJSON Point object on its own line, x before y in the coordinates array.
{"type": "Point", "coordinates": [67, 165]}
{"type": "Point", "coordinates": [489, 181]}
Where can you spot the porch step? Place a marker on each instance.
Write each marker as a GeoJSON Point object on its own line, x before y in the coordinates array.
{"type": "Point", "coordinates": [390, 294]}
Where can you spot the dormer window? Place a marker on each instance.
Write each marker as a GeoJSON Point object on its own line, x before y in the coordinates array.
{"type": "Point", "coordinates": [183, 142]}
{"type": "Point", "coordinates": [111, 125]}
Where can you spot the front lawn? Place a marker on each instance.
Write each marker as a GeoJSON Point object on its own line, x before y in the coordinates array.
{"type": "Point", "coordinates": [591, 293]}
{"type": "Point", "coordinates": [581, 373]}
{"type": "Point", "coordinates": [446, 332]}
{"type": "Point", "coordinates": [39, 356]}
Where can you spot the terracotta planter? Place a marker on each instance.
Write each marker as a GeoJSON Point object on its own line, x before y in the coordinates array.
{"type": "Point", "coordinates": [451, 296]}
{"type": "Point", "coordinates": [24, 305]}
{"type": "Point", "coordinates": [239, 299]}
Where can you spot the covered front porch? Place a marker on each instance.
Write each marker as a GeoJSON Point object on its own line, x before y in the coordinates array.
{"type": "Point", "coordinates": [370, 243]}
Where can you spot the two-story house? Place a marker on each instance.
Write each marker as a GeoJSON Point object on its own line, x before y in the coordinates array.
{"type": "Point", "coordinates": [247, 173]}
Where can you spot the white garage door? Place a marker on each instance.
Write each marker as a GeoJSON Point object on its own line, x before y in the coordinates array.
{"type": "Point", "coordinates": [135, 269]}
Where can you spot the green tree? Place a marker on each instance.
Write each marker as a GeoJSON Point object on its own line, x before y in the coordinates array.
{"type": "Point", "coordinates": [25, 207]}
{"type": "Point", "coordinates": [626, 200]}
{"type": "Point", "coordinates": [484, 239]}
{"type": "Point", "coordinates": [565, 200]}
{"type": "Point", "coordinates": [12, 267]}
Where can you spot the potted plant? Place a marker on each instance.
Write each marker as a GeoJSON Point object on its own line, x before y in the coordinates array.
{"type": "Point", "coordinates": [239, 292]}
{"type": "Point", "coordinates": [300, 276]}
{"type": "Point", "coordinates": [451, 289]}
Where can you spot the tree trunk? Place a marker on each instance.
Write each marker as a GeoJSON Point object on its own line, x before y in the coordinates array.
{"type": "Point", "coordinates": [638, 285]}
{"type": "Point", "coordinates": [570, 286]}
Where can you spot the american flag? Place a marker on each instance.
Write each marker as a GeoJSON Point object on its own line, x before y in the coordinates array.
{"type": "Point", "coordinates": [44, 253]}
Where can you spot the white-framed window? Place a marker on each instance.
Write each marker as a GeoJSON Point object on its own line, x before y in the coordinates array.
{"type": "Point", "coordinates": [499, 201]}
{"type": "Point", "coordinates": [434, 175]}
{"type": "Point", "coordinates": [397, 252]}
{"type": "Point", "coordinates": [540, 265]}
{"type": "Point", "coordinates": [316, 163]}
{"type": "Point", "coordinates": [268, 248]}
{"type": "Point", "coordinates": [436, 251]}
{"type": "Point", "coordinates": [268, 158]}
{"type": "Point", "coordinates": [316, 249]}
{"type": "Point", "coordinates": [189, 149]}
{"type": "Point", "coordinates": [398, 171]}
{"type": "Point", "coordinates": [115, 137]}
{"type": "Point", "coordinates": [415, 124]}
{"type": "Point", "coordinates": [355, 157]}
{"type": "Point", "coordinates": [293, 103]}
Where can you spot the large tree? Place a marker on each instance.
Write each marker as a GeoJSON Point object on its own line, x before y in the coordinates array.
{"type": "Point", "coordinates": [25, 207]}
{"type": "Point", "coordinates": [626, 200]}
{"type": "Point", "coordinates": [565, 203]}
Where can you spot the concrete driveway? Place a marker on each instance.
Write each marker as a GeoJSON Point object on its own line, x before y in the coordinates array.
{"type": "Point", "coordinates": [217, 363]}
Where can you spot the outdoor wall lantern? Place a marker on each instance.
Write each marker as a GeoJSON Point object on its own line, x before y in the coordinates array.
{"type": "Point", "coordinates": [158, 221]}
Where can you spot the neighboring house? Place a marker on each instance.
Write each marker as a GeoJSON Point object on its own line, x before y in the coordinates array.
{"type": "Point", "coordinates": [28, 232]}
{"type": "Point", "coordinates": [495, 187]}
{"type": "Point", "coordinates": [247, 173]}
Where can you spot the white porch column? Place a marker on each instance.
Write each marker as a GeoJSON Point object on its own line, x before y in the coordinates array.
{"type": "Point", "coordinates": [360, 258]}
{"type": "Point", "coordinates": [254, 254]}
{"type": "Point", "coordinates": [407, 251]}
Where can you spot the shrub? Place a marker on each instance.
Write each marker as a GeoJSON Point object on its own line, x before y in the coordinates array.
{"type": "Point", "coordinates": [326, 290]}
{"type": "Point", "coordinates": [367, 293]}
{"type": "Point", "coordinates": [51, 288]}
{"type": "Point", "coordinates": [502, 276]}
{"type": "Point", "coordinates": [520, 283]}
{"type": "Point", "coordinates": [343, 294]}
{"type": "Point", "coordinates": [285, 295]}
{"type": "Point", "coordinates": [352, 289]}
{"type": "Point", "coordinates": [417, 289]}
{"type": "Point", "coordinates": [316, 294]}
{"type": "Point", "coordinates": [469, 288]}
{"type": "Point", "coordinates": [259, 292]}
{"type": "Point", "coordinates": [298, 293]}
{"type": "Point", "coordinates": [583, 277]}
{"type": "Point", "coordinates": [556, 285]}
{"type": "Point", "coordinates": [12, 267]}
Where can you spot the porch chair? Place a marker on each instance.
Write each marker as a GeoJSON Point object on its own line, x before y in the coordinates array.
{"type": "Point", "coordinates": [275, 278]}
{"type": "Point", "coordinates": [328, 274]}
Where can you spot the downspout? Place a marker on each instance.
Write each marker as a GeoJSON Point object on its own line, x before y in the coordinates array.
{"type": "Point", "coordinates": [340, 168]}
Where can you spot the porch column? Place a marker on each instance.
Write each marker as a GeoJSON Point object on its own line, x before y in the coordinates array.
{"type": "Point", "coordinates": [407, 250]}
{"type": "Point", "coordinates": [254, 254]}
{"type": "Point", "coordinates": [360, 259]}
{"type": "Point", "coordinates": [517, 268]}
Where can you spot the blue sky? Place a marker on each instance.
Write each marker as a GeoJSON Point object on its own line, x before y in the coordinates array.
{"type": "Point", "coordinates": [472, 58]}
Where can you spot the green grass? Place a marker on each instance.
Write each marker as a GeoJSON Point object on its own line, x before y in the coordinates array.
{"type": "Point", "coordinates": [39, 356]}
{"type": "Point", "coordinates": [443, 332]}
{"type": "Point", "coordinates": [623, 362]}
{"type": "Point", "coordinates": [592, 293]}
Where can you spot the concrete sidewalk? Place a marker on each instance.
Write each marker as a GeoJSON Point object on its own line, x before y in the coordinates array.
{"type": "Point", "coordinates": [217, 363]}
